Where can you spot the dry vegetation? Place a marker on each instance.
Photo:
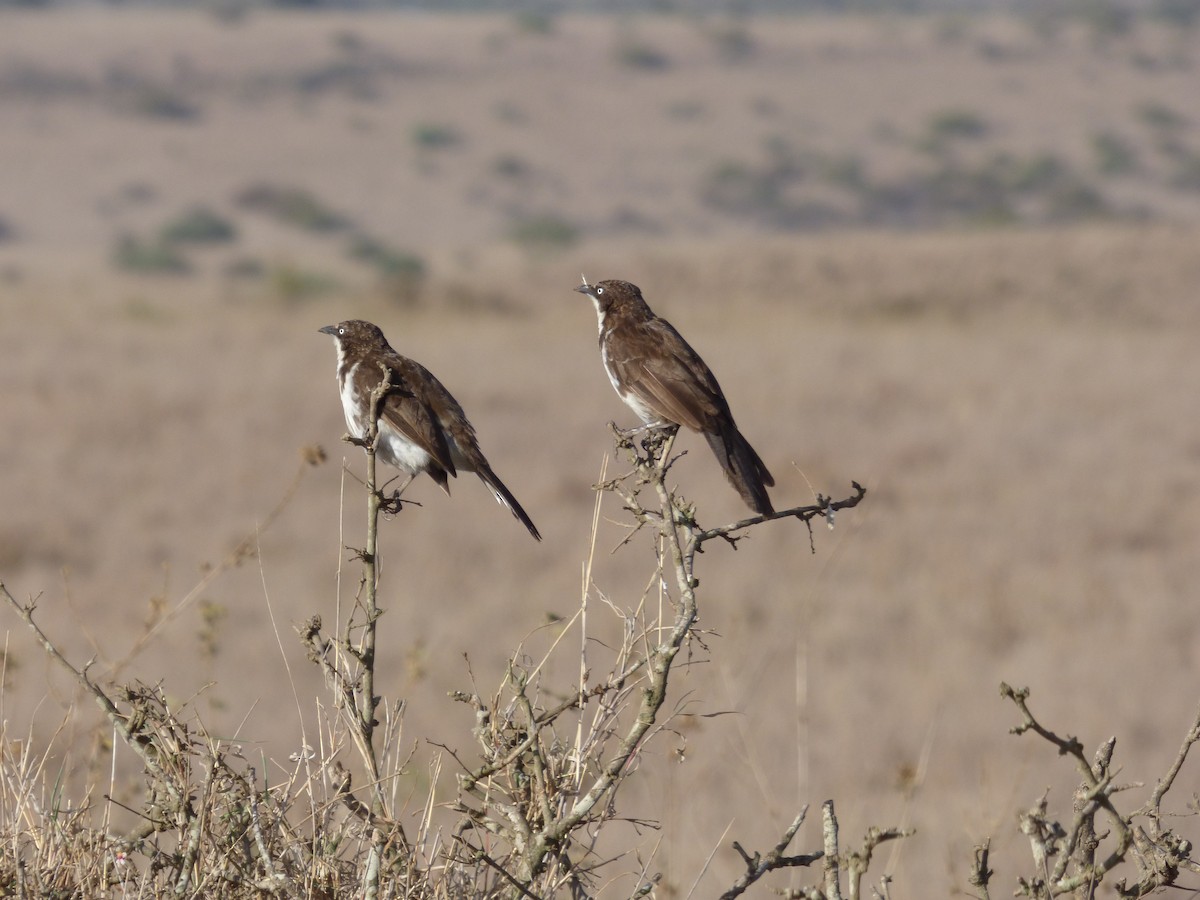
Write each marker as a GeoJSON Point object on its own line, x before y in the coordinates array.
{"type": "Point", "coordinates": [534, 813]}
{"type": "Point", "coordinates": [952, 258]}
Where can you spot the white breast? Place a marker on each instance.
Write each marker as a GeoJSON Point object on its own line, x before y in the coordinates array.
{"type": "Point", "coordinates": [640, 409]}
{"type": "Point", "coordinates": [401, 452]}
{"type": "Point", "coordinates": [599, 313]}
{"type": "Point", "coordinates": [392, 448]}
{"type": "Point", "coordinates": [357, 426]}
{"type": "Point", "coordinates": [612, 378]}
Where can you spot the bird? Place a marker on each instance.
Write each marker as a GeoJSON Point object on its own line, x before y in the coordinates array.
{"type": "Point", "coordinates": [666, 383]}
{"type": "Point", "coordinates": [422, 428]}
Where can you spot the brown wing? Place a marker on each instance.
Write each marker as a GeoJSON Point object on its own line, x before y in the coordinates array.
{"type": "Point", "coordinates": [456, 431]}
{"type": "Point", "coordinates": [453, 429]}
{"type": "Point", "coordinates": [407, 409]}
{"type": "Point", "coordinates": [665, 373]}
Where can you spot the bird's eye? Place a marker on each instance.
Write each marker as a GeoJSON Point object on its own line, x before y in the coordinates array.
{"type": "Point", "coordinates": [599, 291]}
{"type": "Point", "coordinates": [341, 331]}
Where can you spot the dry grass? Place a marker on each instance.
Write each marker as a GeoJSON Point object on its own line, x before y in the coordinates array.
{"type": "Point", "coordinates": [541, 806]}
{"type": "Point", "coordinates": [534, 812]}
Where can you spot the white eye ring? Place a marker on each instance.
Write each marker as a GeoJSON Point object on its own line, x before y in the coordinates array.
{"type": "Point", "coordinates": [599, 291]}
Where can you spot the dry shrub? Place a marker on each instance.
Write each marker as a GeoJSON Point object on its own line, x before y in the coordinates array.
{"type": "Point", "coordinates": [537, 807]}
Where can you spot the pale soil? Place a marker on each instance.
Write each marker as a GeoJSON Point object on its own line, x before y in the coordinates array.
{"type": "Point", "coordinates": [1020, 405]}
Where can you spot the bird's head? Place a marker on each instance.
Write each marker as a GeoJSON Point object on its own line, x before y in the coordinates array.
{"type": "Point", "coordinates": [608, 292]}
{"type": "Point", "coordinates": [356, 332]}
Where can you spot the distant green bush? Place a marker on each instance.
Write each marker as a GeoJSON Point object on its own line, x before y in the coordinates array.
{"type": "Point", "coordinates": [158, 102]}
{"type": "Point", "coordinates": [292, 206]}
{"type": "Point", "coordinates": [531, 21]}
{"type": "Point", "coordinates": [153, 256]}
{"type": "Point", "coordinates": [510, 166]}
{"type": "Point", "coordinates": [953, 124]}
{"type": "Point", "coordinates": [1028, 174]}
{"type": "Point", "coordinates": [388, 261]}
{"type": "Point", "coordinates": [245, 267]}
{"type": "Point", "coordinates": [738, 187]}
{"type": "Point", "coordinates": [1002, 189]}
{"type": "Point", "coordinates": [732, 39]}
{"type": "Point", "coordinates": [846, 171]}
{"type": "Point", "coordinates": [1180, 13]}
{"type": "Point", "coordinates": [433, 136]}
{"type": "Point", "coordinates": [199, 225]}
{"type": "Point", "coordinates": [1105, 18]}
{"type": "Point", "coordinates": [1113, 154]}
{"type": "Point", "coordinates": [295, 285]}
{"type": "Point", "coordinates": [544, 232]}
{"type": "Point", "coordinates": [635, 53]}
{"type": "Point", "coordinates": [1072, 200]}
{"type": "Point", "coordinates": [1159, 117]}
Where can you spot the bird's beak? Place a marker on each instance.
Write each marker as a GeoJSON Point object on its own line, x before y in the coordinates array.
{"type": "Point", "coordinates": [329, 329]}
{"type": "Point", "coordinates": [585, 288]}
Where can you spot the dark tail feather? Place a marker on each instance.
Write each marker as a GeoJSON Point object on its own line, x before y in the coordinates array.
{"type": "Point", "coordinates": [743, 467]}
{"type": "Point", "coordinates": [505, 498]}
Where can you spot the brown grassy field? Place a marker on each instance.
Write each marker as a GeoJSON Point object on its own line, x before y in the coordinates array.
{"type": "Point", "coordinates": [1018, 400]}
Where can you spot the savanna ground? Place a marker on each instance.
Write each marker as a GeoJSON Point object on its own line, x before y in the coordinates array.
{"type": "Point", "coordinates": [954, 259]}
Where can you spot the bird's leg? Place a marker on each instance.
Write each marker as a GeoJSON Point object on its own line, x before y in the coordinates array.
{"type": "Point", "coordinates": [393, 503]}
{"type": "Point", "coordinates": [656, 435]}
{"type": "Point", "coordinates": [628, 433]}
{"type": "Point", "coordinates": [403, 487]}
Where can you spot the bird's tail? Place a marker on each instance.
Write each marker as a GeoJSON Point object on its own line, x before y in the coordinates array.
{"type": "Point", "coordinates": [504, 497]}
{"type": "Point", "coordinates": [745, 470]}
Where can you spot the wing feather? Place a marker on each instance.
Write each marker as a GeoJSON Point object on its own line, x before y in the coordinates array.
{"type": "Point", "coordinates": [404, 411]}
{"type": "Point", "coordinates": [672, 381]}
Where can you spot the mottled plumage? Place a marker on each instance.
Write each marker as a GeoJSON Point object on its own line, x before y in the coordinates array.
{"type": "Point", "coordinates": [421, 426]}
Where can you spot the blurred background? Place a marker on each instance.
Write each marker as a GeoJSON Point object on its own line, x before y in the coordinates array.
{"type": "Point", "coordinates": [947, 249]}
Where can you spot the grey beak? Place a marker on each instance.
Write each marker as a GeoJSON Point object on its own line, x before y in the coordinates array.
{"type": "Point", "coordinates": [329, 329]}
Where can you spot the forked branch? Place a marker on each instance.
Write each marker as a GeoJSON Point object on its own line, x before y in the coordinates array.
{"type": "Point", "coordinates": [1067, 858]}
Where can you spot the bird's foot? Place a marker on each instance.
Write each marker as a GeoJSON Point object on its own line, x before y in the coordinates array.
{"type": "Point", "coordinates": [647, 428]}
{"type": "Point", "coordinates": [658, 438]}
{"type": "Point", "coordinates": [391, 504]}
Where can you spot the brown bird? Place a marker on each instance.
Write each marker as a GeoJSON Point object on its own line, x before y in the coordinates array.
{"type": "Point", "coordinates": [421, 426]}
{"type": "Point", "coordinates": [665, 382]}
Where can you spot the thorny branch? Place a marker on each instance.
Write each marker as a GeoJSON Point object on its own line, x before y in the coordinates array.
{"type": "Point", "coordinates": [1065, 859]}
{"type": "Point", "coordinates": [212, 819]}
{"type": "Point", "coordinates": [538, 793]}
{"type": "Point", "coordinates": [758, 865]}
{"type": "Point", "coordinates": [129, 727]}
{"type": "Point", "coordinates": [349, 667]}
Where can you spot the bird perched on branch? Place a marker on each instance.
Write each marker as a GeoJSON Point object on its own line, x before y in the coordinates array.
{"type": "Point", "coordinates": [421, 426]}
{"type": "Point", "coordinates": [666, 383]}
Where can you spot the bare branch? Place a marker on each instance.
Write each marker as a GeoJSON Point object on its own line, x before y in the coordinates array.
{"type": "Point", "coordinates": [128, 727]}
{"type": "Point", "coordinates": [757, 866]}
{"type": "Point", "coordinates": [980, 873]}
{"type": "Point", "coordinates": [829, 832]}
{"type": "Point", "coordinates": [823, 507]}
{"type": "Point", "coordinates": [1067, 860]}
{"type": "Point", "coordinates": [1164, 784]}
